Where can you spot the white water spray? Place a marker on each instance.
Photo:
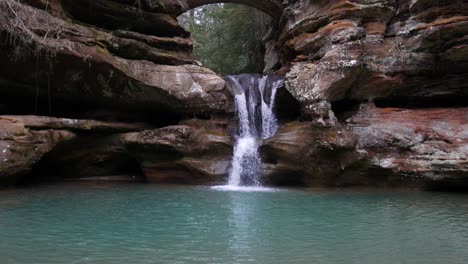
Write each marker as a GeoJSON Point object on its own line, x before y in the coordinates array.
{"type": "Point", "coordinates": [256, 118]}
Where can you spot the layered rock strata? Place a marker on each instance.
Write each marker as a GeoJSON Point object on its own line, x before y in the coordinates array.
{"type": "Point", "coordinates": [390, 75]}
{"type": "Point", "coordinates": [381, 86]}
{"type": "Point", "coordinates": [194, 152]}
{"type": "Point", "coordinates": [380, 49]}
{"type": "Point", "coordinates": [56, 54]}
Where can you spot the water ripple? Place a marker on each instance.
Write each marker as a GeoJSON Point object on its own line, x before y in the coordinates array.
{"type": "Point", "coordinates": [149, 224]}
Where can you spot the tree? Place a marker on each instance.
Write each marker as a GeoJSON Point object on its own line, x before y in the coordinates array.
{"type": "Point", "coordinates": [227, 37]}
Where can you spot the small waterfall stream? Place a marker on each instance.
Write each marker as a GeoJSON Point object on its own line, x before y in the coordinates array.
{"type": "Point", "coordinates": [254, 98]}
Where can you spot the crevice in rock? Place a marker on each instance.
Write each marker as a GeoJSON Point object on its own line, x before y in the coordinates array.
{"type": "Point", "coordinates": [21, 99]}
{"type": "Point", "coordinates": [346, 108]}
{"type": "Point", "coordinates": [201, 116]}
{"type": "Point", "coordinates": [287, 178]}
{"type": "Point", "coordinates": [88, 157]}
{"type": "Point", "coordinates": [26, 105]}
{"type": "Point", "coordinates": [131, 49]}
{"type": "Point", "coordinates": [174, 43]}
{"type": "Point", "coordinates": [287, 108]}
{"type": "Point", "coordinates": [422, 102]}
{"type": "Point", "coordinates": [448, 185]}
{"type": "Point", "coordinates": [123, 17]}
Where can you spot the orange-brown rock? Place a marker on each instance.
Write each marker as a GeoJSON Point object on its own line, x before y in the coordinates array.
{"type": "Point", "coordinates": [339, 57]}
{"type": "Point", "coordinates": [406, 49]}
{"type": "Point", "coordinates": [424, 147]}
{"type": "Point", "coordinates": [385, 147]}
{"type": "Point", "coordinates": [304, 153]}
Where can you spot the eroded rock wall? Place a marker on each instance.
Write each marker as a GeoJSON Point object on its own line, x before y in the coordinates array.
{"type": "Point", "coordinates": [366, 50]}
{"type": "Point", "coordinates": [105, 54]}
{"type": "Point", "coordinates": [381, 86]}
{"type": "Point", "coordinates": [391, 75]}
{"type": "Point", "coordinates": [97, 69]}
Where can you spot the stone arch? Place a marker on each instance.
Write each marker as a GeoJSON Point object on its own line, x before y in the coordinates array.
{"type": "Point", "coordinates": [272, 7]}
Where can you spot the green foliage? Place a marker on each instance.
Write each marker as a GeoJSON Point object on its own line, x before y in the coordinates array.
{"type": "Point", "coordinates": [227, 37]}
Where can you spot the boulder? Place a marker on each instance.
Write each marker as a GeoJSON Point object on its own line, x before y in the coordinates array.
{"type": "Point", "coordinates": [304, 153]}
{"type": "Point", "coordinates": [195, 152]}
{"type": "Point", "coordinates": [21, 148]}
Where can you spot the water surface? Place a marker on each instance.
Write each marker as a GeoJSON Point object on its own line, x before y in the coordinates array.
{"type": "Point", "coordinates": [104, 223]}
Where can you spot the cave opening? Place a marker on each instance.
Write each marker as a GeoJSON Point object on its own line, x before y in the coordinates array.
{"type": "Point", "coordinates": [90, 157]}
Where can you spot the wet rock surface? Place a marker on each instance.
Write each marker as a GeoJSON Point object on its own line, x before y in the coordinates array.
{"type": "Point", "coordinates": [195, 152]}
{"type": "Point", "coordinates": [305, 153]}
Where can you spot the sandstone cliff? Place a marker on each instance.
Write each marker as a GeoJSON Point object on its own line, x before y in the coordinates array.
{"type": "Point", "coordinates": [381, 86]}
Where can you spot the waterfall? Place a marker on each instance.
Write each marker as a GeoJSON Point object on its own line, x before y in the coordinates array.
{"type": "Point", "coordinates": [254, 100]}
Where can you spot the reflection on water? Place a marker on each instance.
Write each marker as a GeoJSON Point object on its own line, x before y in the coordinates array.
{"type": "Point", "coordinates": [236, 188]}
{"type": "Point", "coordinates": [150, 224]}
{"type": "Point", "coordinates": [240, 221]}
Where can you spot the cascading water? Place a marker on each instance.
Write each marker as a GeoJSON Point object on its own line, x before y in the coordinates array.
{"type": "Point", "coordinates": [254, 98]}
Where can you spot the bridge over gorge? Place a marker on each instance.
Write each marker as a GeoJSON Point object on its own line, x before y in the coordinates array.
{"type": "Point", "coordinates": [271, 7]}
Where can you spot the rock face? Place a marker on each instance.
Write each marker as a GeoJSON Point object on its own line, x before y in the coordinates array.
{"type": "Point", "coordinates": [380, 49]}
{"type": "Point", "coordinates": [21, 148]}
{"type": "Point", "coordinates": [409, 58]}
{"type": "Point", "coordinates": [150, 70]}
{"type": "Point", "coordinates": [305, 153]}
{"type": "Point", "coordinates": [74, 125]}
{"type": "Point", "coordinates": [59, 143]}
{"type": "Point", "coordinates": [197, 152]}
{"type": "Point", "coordinates": [384, 147]}
{"type": "Point", "coordinates": [424, 145]}
{"type": "Point", "coordinates": [376, 93]}
{"type": "Point", "coordinates": [112, 60]}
